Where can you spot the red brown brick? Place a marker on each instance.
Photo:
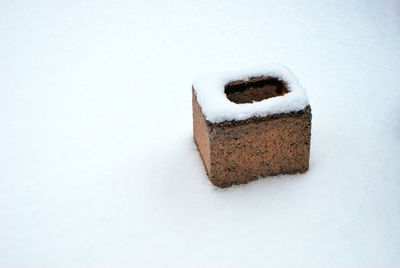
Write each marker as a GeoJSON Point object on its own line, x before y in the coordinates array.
{"type": "Point", "coordinates": [236, 152]}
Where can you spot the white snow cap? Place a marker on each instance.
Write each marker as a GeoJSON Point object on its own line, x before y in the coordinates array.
{"type": "Point", "coordinates": [210, 93]}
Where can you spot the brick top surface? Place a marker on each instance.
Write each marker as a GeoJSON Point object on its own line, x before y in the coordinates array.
{"type": "Point", "coordinates": [217, 108]}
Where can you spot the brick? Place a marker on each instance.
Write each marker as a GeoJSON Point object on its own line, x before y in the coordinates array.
{"type": "Point", "coordinates": [239, 151]}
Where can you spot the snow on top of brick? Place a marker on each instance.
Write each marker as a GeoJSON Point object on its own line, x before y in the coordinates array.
{"type": "Point", "coordinates": [210, 93]}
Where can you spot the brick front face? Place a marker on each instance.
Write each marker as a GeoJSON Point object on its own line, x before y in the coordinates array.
{"type": "Point", "coordinates": [236, 152]}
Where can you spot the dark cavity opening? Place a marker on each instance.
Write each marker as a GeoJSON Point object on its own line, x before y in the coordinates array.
{"type": "Point", "coordinates": [255, 89]}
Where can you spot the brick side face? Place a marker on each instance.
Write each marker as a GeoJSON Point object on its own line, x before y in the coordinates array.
{"type": "Point", "coordinates": [200, 133]}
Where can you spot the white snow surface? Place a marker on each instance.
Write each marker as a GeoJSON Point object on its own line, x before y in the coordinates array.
{"type": "Point", "coordinates": [98, 167]}
{"type": "Point", "coordinates": [210, 93]}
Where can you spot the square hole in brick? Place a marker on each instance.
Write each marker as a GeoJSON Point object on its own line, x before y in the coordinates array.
{"type": "Point", "coordinates": [255, 89]}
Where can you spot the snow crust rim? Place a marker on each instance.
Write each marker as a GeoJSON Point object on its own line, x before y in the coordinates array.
{"type": "Point", "coordinates": [217, 108]}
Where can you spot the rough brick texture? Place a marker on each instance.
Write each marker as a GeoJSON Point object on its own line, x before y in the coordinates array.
{"type": "Point", "coordinates": [236, 152]}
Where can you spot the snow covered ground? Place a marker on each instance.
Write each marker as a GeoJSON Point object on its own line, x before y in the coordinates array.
{"type": "Point", "coordinates": [97, 163]}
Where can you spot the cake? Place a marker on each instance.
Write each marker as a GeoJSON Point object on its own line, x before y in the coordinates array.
{"type": "Point", "coordinates": [250, 124]}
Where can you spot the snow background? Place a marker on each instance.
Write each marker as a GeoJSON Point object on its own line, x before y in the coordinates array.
{"type": "Point", "coordinates": [97, 163]}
